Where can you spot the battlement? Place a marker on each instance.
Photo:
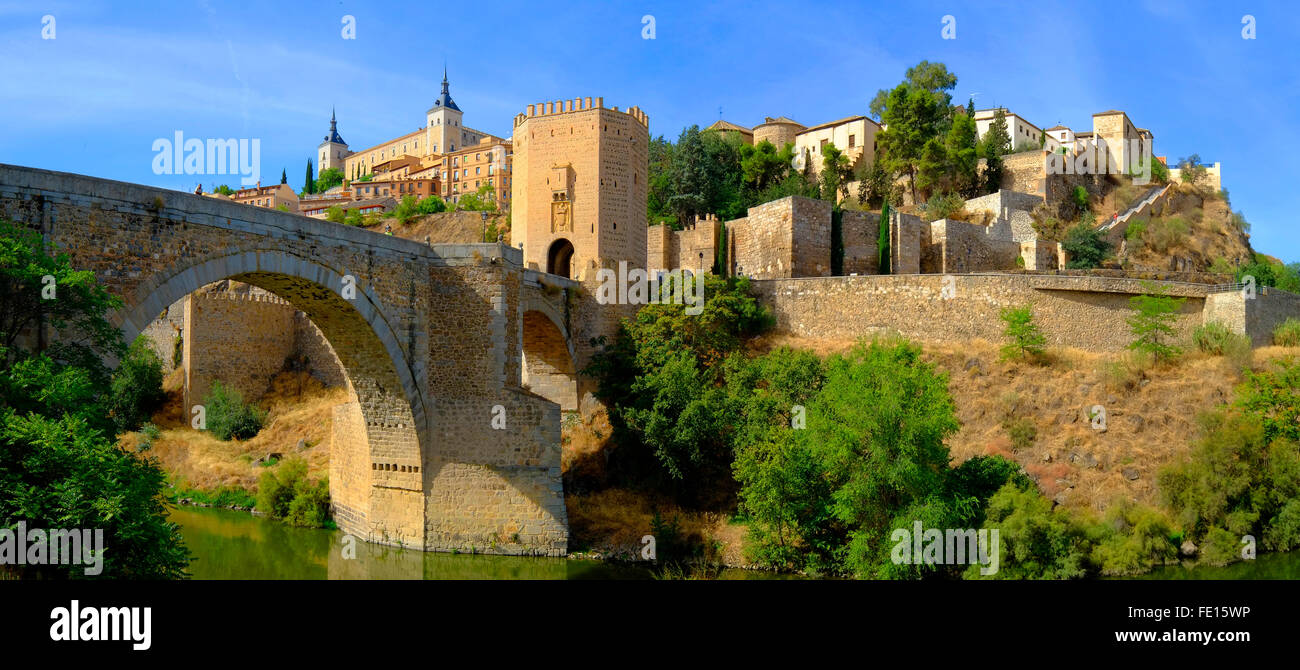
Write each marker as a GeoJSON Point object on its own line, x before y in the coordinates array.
{"type": "Point", "coordinates": [248, 297]}
{"type": "Point", "coordinates": [577, 105]}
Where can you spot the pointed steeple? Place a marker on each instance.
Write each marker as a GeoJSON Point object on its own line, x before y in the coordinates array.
{"type": "Point", "coordinates": [334, 129]}
{"type": "Point", "coordinates": [445, 100]}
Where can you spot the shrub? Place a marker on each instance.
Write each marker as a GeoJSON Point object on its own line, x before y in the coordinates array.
{"type": "Point", "coordinates": [1022, 432]}
{"type": "Point", "coordinates": [406, 209]}
{"type": "Point", "coordinates": [136, 389]}
{"type": "Point", "coordinates": [1080, 198]}
{"type": "Point", "coordinates": [1135, 538]}
{"type": "Point", "coordinates": [287, 494]}
{"type": "Point", "coordinates": [1135, 230]}
{"type": "Point", "coordinates": [1125, 372]}
{"type": "Point", "coordinates": [310, 506]}
{"type": "Point", "coordinates": [334, 214]}
{"type": "Point", "coordinates": [1287, 333]}
{"type": "Point", "coordinates": [1085, 246]}
{"type": "Point", "coordinates": [1166, 234]}
{"type": "Point", "coordinates": [1022, 334]}
{"type": "Point", "coordinates": [945, 206]}
{"type": "Point", "coordinates": [1215, 338]}
{"type": "Point", "coordinates": [1036, 541]}
{"type": "Point", "coordinates": [178, 351]}
{"type": "Point", "coordinates": [228, 417]}
{"type": "Point", "coordinates": [431, 205]}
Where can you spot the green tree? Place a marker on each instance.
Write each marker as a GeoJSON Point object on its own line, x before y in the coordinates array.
{"type": "Point", "coordinates": [835, 175]}
{"type": "Point", "coordinates": [873, 184]}
{"type": "Point", "coordinates": [1085, 247]}
{"type": "Point", "coordinates": [60, 466]}
{"type": "Point", "coordinates": [991, 148]}
{"type": "Point", "coordinates": [482, 200]}
{"type": "Point", "coordinates": [334, 214]}
{"type": "Point", "coordinates": [763, 165]}
{"type": "Point", "coordinates": [925, 76]}
{"type": "Point", "coordinates": [1152, 322]}
{"type": "Point", "coordinates": [1024, 339]}
{"type": "Point", "coordinates": [963, 154]}
{"type": "Point", "coordinates": [913, 118]}
{"type": "Point", "coordinates": [329, 178]}
{"type": "Point", "coordinates": [309, 186]}
{"type": "Point", "coordinates": [284, 176]}
{"type": "Point", "coordinates": [1190, 169]}
{"type": "Point", "coordinates": [136, 389]}
{"type": "Point", "coordinates": [1035, 541]}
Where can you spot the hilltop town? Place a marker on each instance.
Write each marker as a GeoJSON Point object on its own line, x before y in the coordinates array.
{"type": "Point", "coordinates": [510, 275]}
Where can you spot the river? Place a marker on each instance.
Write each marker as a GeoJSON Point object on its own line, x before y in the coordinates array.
{"type": "Point", "coordinates": [238, 545]}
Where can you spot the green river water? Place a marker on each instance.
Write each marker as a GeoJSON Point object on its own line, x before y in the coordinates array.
{"type": "Point", "coordinates": [238, 545]}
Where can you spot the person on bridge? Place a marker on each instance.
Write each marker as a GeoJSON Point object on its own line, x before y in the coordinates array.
{"type": "Point", "coordinates": [388, 230]}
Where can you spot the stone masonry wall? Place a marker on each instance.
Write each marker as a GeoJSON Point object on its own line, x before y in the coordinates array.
{"type": "Point", "coordinates": [1256, 317]}
{"type": "Point", "coordinates": [959, 246]}
{"type": "Point", "coordinates": [162, 334]}
{"type": "Point", "coordinates": [1083, 312]}
{"type": "Point", "coordinates": [1002, 202]}
{"type": "Point", "coordinates": [859, 232]}
{"type": "Point", "coordinates": [239, 340]}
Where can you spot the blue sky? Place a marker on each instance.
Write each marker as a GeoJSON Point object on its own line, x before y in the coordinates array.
{"type": "Point", "coordinates": [119, 75]}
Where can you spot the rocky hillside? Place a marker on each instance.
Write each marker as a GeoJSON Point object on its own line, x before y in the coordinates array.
{"type": "Point", "coordinates": [1190, 228]}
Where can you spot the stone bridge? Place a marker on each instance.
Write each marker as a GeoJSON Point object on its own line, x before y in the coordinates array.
{"type": "Point", "coordinates": [443, 447]}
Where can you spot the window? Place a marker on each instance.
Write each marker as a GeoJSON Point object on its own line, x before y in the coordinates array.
{"type": "Point", "coordinates": [853, 141]}
{"type": "Point", "coordinates": [822, 145]}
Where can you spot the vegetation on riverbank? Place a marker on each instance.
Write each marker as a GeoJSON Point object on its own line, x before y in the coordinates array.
{"type": "Point", "coordinates": [818, 458]}
{"type": "Point", "coordinates": [60, 409]}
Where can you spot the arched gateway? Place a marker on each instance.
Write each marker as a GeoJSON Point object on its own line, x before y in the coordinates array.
{"type": "Point", "coordinates": [430, 338]}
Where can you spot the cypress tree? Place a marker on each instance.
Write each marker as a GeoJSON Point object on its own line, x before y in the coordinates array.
{"type": "Point", "coordinates": [308, 186]}
{"type": "Point", "coordinates": [284, 176]}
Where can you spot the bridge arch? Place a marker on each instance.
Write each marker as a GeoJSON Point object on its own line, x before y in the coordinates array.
{"type": "Point", "coordinates": [377, 462]}
{"type": "Point", "coordinates": [549, 366]}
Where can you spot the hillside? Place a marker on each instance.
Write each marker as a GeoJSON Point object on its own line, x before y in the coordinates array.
{"type": "Point", "coordinates": [447, 227]}
{"type": "Point", "coordinates": [1190, 224]}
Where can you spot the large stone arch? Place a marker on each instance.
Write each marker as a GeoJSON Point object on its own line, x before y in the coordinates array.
{"type": "Point", "coordinates": [377, 459]}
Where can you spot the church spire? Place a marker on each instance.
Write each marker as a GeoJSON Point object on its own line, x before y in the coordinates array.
{"type": "Point", "coordinates": [334, 129]}
{"type": "Point", "coordinates": [445, 100]}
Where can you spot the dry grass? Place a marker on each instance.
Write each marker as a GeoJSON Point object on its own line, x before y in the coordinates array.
{"type": "Point", "coordinates": [444, 227]}
{"type": "Point", "coordinates": [299, 408]}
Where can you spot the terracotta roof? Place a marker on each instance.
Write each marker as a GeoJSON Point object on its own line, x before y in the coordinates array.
{"type": "Point", "coordinates": [720, 124]}
{"type": "Point", "coordinates": [839, 122]}
{"type": "Point", "coordinates": [779, 119]}
{"type": "Point", "coordinates": [1058, 128]}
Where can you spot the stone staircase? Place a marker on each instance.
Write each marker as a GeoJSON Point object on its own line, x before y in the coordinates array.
{"type": "Point", "coordinates": [1152, 195]}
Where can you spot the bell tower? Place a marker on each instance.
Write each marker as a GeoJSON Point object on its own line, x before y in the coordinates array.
{"type": "Point", "coordinates": [333, 150]}
{"type": "Point", "coordinates": [443, 130]}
